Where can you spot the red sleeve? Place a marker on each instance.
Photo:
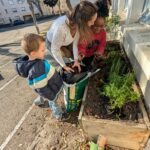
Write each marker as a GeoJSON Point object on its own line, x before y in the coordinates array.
{"type": "Point", "coordinates": [102, 45]}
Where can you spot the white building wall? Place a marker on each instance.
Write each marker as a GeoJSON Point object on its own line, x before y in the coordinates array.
{"type": "Point", "coordinates": [75, 2]}
{"type": "Point", "coordinates": [6, 6]}
{"type": "Point", "coordinates": [134, 10]}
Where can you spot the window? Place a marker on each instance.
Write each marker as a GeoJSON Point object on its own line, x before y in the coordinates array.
{"type": "Point", "coordinates": [20, 1]}
{"type": "Point", "coordinates": [2, 21]}
{"type": "Point", "coordinates": [11, 2]}
{"type": "Point", "coordinates": [23, 9]}
{"type": "Point", "coordinates": [17, 18]}
{"type": "Point", "coordinates": [14, 10]}
{"type": "Point", "coordinates": [6, 11]}
{"type": "Point", "coordinates": [126, 4]}
{"type": "Point", "coordinates": [146, 4]}
{"type": "Point", "coordinates": [2, 2]}
{"type": "Point", "coordinates": [10, 20]}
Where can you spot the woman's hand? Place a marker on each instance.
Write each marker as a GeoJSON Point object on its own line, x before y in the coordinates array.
{"type": "Point", "coordinates": [81, 56]}
{"type": "Point", "coordinates": [68, 69]}
{"type": "Point", "coordinates": [98, 54]}
{"type": "Point", "coordinates": [77, 64]}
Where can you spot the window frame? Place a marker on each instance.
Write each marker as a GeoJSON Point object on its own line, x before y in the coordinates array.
{"type": "Point", "coordinates": [14, 9]}
{"type": "Point", "coordinates": [23, 9]}
{"type": "Point", "coordinates": [11, 2]}
{"type": "Point", "coordinates": [20, 1]}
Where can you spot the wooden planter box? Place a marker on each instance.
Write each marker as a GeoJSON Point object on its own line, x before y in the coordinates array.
{"type": "Point", "coordinates": [123, 134]}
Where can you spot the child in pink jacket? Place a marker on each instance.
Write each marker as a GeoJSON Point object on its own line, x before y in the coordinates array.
{"type": "Point", "coordinates": [96, 46]}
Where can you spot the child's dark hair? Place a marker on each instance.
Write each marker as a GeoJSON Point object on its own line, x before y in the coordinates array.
{"type": "Point", "coordinates": [103, 10]}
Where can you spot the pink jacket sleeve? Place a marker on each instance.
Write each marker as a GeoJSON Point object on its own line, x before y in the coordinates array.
{"type": "Point", "coordinates": [82, 48]}
{"type": "Point", "coordinates": [102, 45]}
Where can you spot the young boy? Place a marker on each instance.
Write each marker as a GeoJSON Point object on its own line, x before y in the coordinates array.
{"type": "Point", "coordinates": [87, 51]}
{"type": "Point", "coordinates": [42, 77]}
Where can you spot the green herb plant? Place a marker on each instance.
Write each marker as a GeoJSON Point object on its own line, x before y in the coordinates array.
{"type": "Point", "coordinates": [119, 89]}
{"type": "Point", "coordinates": [112, 25]}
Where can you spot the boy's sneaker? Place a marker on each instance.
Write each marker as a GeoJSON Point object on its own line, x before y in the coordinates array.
{"type": "Point", "coordinates": [44, 105]}
{"type": "Point", "coordinates": [40, 102]}
{"type": "Point", "coordinates": [65, 117]}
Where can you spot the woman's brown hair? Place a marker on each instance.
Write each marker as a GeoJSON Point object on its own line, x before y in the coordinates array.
{"type": "Point", "coordinates": [80, 16]}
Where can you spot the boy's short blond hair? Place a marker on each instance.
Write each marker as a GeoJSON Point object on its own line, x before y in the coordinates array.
{"type": "Point", "coordinates": [31, 42]}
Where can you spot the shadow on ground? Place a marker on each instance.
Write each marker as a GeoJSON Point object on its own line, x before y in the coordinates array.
{"type": "Point", "coordinates": [5, 49]}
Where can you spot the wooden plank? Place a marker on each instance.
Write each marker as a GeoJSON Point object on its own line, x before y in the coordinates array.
{"type": "Point", "coordinates": [82, 108]}
{"type": "Point", "coordinates": [141, 105]}
{"type": "Point", "coordinates": [145, 116]}
{"type": "Point", "coordinates": [83, 103]}
{"type": "Point", "coordinates": [118, 134]}
{"type": "Point", "coordinates": [129, 124]}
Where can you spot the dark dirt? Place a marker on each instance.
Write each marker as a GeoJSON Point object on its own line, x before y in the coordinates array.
{"type": "Point", "coordinates": [98, 105]}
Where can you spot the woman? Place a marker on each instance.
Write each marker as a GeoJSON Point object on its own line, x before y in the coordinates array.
{"type": "Point", "coordinates": [66, 30]}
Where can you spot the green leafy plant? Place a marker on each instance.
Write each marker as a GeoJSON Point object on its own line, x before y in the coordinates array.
{"type": "Point", "coordinates": [119, 90]}
{"type": "Point", "coordinates": [109, 48]}
{"type": "Point", "coordinates": [112, 24]}
{"type": "Point", "coordinates": [116, 65]}
{"type": "Point", "coordinates": [113, 56]}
